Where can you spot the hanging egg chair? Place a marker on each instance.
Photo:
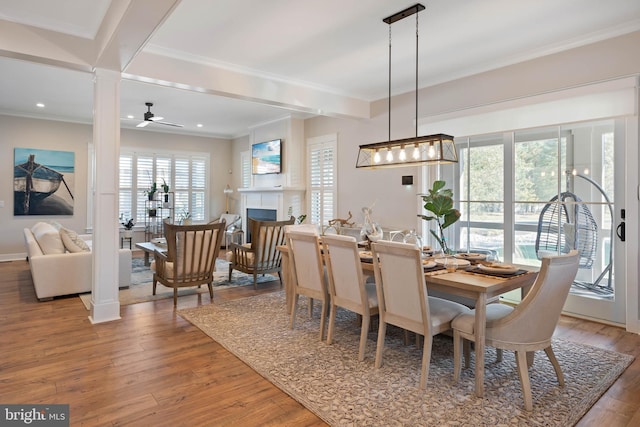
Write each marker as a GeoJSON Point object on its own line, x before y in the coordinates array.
{"type": "Point", "coordinates": [566, 223]}
{"type": "Point", "coordinates": [565, 226]}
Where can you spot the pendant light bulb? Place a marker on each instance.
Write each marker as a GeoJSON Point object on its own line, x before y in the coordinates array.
{"type": "Point", "coordinates": [403, 155]}
{"type": "Point", "coordinates": [389, 155]}
{"type": "Point", "coordinates": [432, 151]}
{"type": "Point", "coordinates": [416, 153]}
{"type": "Point", "coordinates": [376, 157]}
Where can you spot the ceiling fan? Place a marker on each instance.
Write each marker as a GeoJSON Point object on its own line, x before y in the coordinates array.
{"type": "Point", "coordinates": [149, 117]}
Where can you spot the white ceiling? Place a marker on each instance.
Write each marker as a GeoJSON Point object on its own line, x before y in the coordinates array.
{"type": "Point", "coordinates": [233, 64]}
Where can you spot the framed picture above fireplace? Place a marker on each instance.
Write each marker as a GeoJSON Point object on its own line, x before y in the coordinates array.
{"type": "Point", "coordinates": [266, 157]}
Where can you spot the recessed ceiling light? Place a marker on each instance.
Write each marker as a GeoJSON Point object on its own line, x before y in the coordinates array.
{"type": "Point", "coordinates": [130, 116]}
{"type": "Point", "coordinates": [199, 125]}
{"type": "Point", "coordinates": [40, 105]}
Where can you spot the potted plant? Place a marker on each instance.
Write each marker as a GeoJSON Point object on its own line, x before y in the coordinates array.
{"type": "Point", "coordinates": [185, 218]}
{"type": "Point", "coordinates": [152, 191]}
{"type": "Point", "coordinates": [439, 202]}
{"type": "Point", "coordinates": [165, 190]}
{"type": "Point", "coordinates": [128, 227]}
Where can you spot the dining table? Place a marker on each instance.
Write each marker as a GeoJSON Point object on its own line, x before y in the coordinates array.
{"type": "Point", "coordinates": [468, 282]}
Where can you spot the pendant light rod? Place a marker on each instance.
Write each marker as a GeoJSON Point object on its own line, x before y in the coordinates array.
{"type": "Point", "coordinates": [424, 150]}
{"type": "Point", "coordinates": [412, 10]}
{"type": "Point", "coordinates": [389, 98]}
{"type": "Point", "coordinates": [417, 74]}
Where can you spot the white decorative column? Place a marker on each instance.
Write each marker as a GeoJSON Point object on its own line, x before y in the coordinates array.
{"type": "Point", "coordinates": [105, 305]}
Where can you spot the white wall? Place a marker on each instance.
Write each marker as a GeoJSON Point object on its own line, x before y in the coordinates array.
{"type": "Point", "coordinates": [47, 135]}
{"type": "Point", "coordinates": [52, 135]}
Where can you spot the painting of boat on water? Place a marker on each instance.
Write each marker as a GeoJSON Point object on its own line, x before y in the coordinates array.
{"type": "Point", "coordinates": [43, 182]}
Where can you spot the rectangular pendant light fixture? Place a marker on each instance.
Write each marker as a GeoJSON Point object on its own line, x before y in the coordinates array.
{"type": "Point", "coordinates": [408, 152]}
{"type": "Point", "coordinates": [430, 149]}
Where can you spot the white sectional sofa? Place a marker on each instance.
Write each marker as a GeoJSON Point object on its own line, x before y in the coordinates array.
{"type": "Point", "coordinates": [63, 267]}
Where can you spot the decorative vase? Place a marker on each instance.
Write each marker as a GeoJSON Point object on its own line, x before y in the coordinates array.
{"type": "Point", "coordinates": [127, 234]}
{"type": "Point", "coordinates": [413, 238]}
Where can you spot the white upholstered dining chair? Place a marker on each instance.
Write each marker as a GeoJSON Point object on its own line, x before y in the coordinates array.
{"type": "Point", "coordinates": [403, 299]}
{"type": "Point", "coordinates": [307, 273]}
{"type": "Point", "coordinates": [530, 325]}
{"type": "Point", "coordinates": [347, 285]}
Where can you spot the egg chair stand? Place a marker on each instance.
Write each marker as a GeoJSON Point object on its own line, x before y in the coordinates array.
{"type": "Point", "coordinates": [566, 223]}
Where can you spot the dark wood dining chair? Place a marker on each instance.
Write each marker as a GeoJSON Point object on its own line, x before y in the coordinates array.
{"type": "Point", "coordinates": [190, 259]}
{"type": "Point", "coordinates": [260, 256]}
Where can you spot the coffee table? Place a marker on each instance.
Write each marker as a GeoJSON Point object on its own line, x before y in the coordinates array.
{"type": "Point", "coordinates": [149, 248]}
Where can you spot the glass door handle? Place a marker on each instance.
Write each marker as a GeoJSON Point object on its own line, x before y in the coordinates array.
{"type": "Point", "coordinates": [620, 231]}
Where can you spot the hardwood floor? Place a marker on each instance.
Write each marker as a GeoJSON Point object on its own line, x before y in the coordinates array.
{"type": "Point", "coordinates": [154, 368]}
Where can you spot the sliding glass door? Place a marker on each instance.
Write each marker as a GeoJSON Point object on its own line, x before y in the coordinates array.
{"type": "Point", "coordinates": [535, 192]}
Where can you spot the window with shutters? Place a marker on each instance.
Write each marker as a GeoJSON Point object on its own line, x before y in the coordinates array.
{"type": "Point", "coordinates": [245, 163]}
{"type": "Point", "coordinates": [186, 176]}
{"type": "Point", "coordinates": [322, 179]}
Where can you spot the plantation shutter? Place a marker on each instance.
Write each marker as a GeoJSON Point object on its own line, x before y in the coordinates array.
{"type": "Point", "coordinates": [198, 186]}
{"type": "Point", "coordinates": [321, 155]}
{"type": "Point", "coordinates": [144, 179]}
{"type": "Point", "coordinates": [245, 161]}
{"type": "Point", "coordinates": [186, 176]}
{"type": "Point", "coordinates": [181, 188]}
{"type": "Point", "coordinates": [125, 193]}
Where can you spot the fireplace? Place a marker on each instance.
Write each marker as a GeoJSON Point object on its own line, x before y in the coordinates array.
{"type": "Point", "coordinates": [279, 202]}
{"type": "Point", "coordinates": [260, 215]}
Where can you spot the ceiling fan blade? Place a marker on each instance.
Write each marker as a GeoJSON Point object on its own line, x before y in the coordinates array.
{"type": "Point", "coordinates": [156, 118]}
{"type": "Point", "coordinates": [143, 124]}
{"type": "Point", "coordinates": [170, 124]}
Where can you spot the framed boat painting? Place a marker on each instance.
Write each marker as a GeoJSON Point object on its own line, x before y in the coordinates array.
{"type": "Point", "coordinates": [43, 182]}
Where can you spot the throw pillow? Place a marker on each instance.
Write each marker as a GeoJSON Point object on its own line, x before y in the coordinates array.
{"type": "Point", "coordinates": [72, 241]}
{"type": "Point", "coordinates": [48, 238]}
{"type": "Point", "coordinates": [56, 224]}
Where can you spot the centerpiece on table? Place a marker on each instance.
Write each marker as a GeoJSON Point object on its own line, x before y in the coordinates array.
{"type": "Point", "coordinates": [439, 202]}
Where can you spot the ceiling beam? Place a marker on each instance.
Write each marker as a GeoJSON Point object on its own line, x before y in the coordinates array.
{"type": "Point", "coordinates": [33, 44]}
{"type": "Point", "coordinates": [126, 28]}
{"type": "Point", "coordinates": [215, 80]}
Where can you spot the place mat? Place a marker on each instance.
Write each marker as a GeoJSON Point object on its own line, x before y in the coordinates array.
{"type": "Point", "coordinates": [367, 257]}
{"type": "Point", "coordinates": [476, 270]}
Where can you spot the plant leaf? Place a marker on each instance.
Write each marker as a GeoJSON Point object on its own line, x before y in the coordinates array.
{"type": "Point", "coordinates": [450, 217]}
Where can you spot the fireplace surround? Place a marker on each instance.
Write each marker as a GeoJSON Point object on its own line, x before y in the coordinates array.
{"type": "Point", "coordinates": [284, 201]}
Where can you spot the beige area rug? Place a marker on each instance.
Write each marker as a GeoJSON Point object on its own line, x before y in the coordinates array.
{"type": "Point", "coordinates": [141, 289]}
{"type": "Point", "coordinates": [329, 381]}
